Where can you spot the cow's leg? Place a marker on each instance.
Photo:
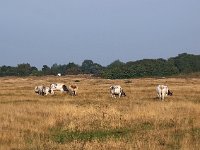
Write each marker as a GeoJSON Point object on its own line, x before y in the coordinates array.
{"type": "Point", "coordinates": [62, 90]}
{"type": "Point", "coordinates": [40, 93]}
{"type": "Point", "coordinates": [113, 95]}
{"type": "Point", "coordinates": [52, 92]}
{"type": "Point", "coordinates": [120, 95]}
{"type": "Point", "coordinates": [160, 95]}
{"type": "Point", "coordinates": [163, 96]}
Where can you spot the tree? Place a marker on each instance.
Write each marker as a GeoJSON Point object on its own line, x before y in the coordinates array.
{"type": "Point", "coordinates": [86, 66]}
{"type": "Point", "coordinates": [55, 69]}
{"type": "Point", "coordinates": [187, 63]}
{"type": "Point", "coordinates": [72, 69]}
{"type": "Point", "coordinates": [23, 69]}
{"type": "Point", "coordinates": [46, 70]}
{"type": "Point", "coordinates": [116, 64]}
{"type": "Point", "coordinates": [8, 71]}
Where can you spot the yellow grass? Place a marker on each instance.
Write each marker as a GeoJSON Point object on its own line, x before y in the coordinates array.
{"type": "Point", "coordinates": [94, 120]}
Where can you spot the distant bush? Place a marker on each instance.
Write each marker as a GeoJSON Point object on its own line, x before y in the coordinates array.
{"type": "Point", "coordinates": [182, 64]}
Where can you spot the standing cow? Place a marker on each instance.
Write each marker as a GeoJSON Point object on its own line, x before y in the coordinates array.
{"type": "Point", "coordinates": [116, 90]}
{"type": "Point", "coordinates": [73, 90]}
{"type": "Point", "coordinates": [163, 91]}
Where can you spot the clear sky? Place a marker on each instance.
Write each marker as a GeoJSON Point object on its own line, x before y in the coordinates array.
{"type": "Point", "coordinates": [44, 32]}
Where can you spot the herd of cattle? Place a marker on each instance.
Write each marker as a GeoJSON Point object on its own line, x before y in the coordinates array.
{"type": "Point", "coordinates": [44, 90]}
{"type": "Point", "coordinates": [115, 90]}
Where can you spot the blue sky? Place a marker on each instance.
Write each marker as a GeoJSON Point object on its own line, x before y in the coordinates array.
{"type": "Point", "coordinates": [44, 32]}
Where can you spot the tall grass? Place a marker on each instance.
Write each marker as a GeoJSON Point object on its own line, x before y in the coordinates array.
{"type": "Point", "coordinates": [94, 120]}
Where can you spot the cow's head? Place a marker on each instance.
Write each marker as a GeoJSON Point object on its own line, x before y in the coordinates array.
{"type": "Point", "coordinates": [36, 90]}
{"type": "Point", "coordinates": [112, 87]}
{"type": "Point", "coordinates": [49, 90]}
{"type": "Point", "coordinates": [170, 93]}
{"type": "Point", "coordinates": [65, 88]}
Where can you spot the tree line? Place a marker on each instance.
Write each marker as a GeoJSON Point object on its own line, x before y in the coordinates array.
{"type": "Point", "coordinates": [182, 64]}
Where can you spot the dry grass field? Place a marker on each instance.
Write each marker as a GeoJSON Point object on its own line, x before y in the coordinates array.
{"type": "Point", "coordinates": [94, 120]}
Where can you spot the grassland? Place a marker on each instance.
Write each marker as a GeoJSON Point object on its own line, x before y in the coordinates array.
{"type": "Point", "coordinates": [94, 120]}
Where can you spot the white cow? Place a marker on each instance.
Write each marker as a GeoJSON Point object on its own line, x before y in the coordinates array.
{"type": "Point", "coordinates": [73, 89]}
{"type": "Point", "coordinates": [163, 91]}
{"type": "Point", "coordinates": [47, 90]}
{"type": "Point", "coordinates": [116, 90]}
{"type": "Point", "coordinates": [59, 74]}
{"type": "Point", "coordinates": [58, 87]}
{"type": "Point", "coordinates": [39, 89]}
{"type": "Point", "coordinates": [42, 90]}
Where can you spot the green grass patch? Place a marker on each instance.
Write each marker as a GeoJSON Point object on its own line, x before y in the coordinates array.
{"type": "Point", "coordinates": [195, 132]}
{"type": "Point", "coordinates": [176, 138]}
{"type": "Point", "coordinates": [167, 124]}
{"type": "Point", "coordinates": [147, 125]}
{"type": "Point", "coordinates": [63, 136]}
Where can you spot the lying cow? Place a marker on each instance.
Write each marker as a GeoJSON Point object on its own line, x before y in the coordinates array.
{"type": "Point", "coordinates": [163, 91]}
{"type": "Point", "coordinates": [58, 87]}
{"type": "Point", "coordinates": [42, 90]}
{"type": "Point", "coordinates": [116, 90]}
{"type": "Point", "coordinates": [73, 90]}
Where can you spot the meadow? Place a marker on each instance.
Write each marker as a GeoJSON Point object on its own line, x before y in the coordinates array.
{"type": "Point", "coordinates": [94, 120]}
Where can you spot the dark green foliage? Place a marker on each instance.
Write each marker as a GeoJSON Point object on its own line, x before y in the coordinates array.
{"type": "Point", "coordinates": [24, 69]}
{"type": "Point", "coordinates": [151, 67]}
{"type": "Point", "coordinates": [187, 63]}
{"type": "Point", "coordinates": [8, 71]}
{"type": "Point", "coordinates": [55, 69]}
{"type": "Point", "coordinates": [72, 69]}
{"type": "Point", "coordinates": [88, 67]}
{"type": "Point", "coordinates": [182, 64]}
{"type": "Point", "coordinates": [116, 70]}
{"type": "Point", "coordinates": [46, 70]}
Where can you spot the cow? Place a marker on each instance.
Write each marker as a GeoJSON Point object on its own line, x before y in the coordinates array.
{"type": "Point", "coordinates": [163, 91]}
{"type": "Point", "coordinates": [42, 90]}
{"type": "Point", "coordinates": [47, 90]}
{"type": "Point", "coordinates": [72, 89]}
{"type": "Point", "coordinates": [59, 74]}
{"type": "Point", "coordinates": [116, 90]}
{"type": "Point", "coordinates": [58, 87]}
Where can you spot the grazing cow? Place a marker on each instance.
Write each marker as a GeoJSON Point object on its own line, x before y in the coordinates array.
{"type": "Point", "coordinates": [73, 89]}
{"type": "Point", "coordinates": [47, 90]}
{"type": "Point", "coordinates": [39, 89]}
{"type": "Point", "coordinates": [163, 91]}
{"type": "Point", "coordinates": [59, 74]}
{"type": "Point", "coordinates": [116, 90]}
{"type": "Point", "coordinates": [58, 87]}
{"type": "Point", "coordinates": [42, 90]}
